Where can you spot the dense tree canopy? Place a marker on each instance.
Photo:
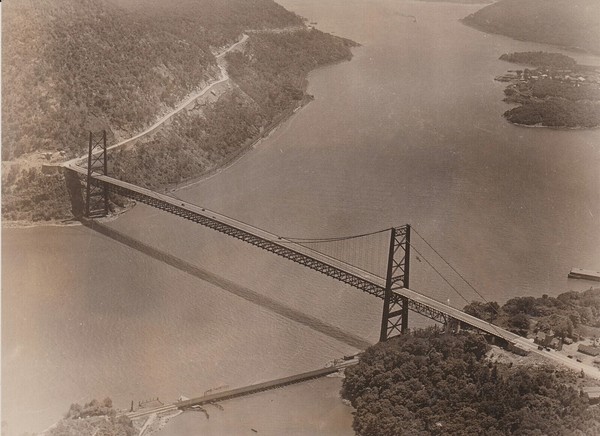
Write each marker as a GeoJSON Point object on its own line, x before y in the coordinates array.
{"type": "Point", "coordinates": [75, 65]}
{"type": "Point", "coordinates": [93, 419]}
{"type": "Point", "coordinates": [431, 383]}
{"type": "Point", "coordinates": [563, 314]}
{"type": "Point", "coordinates": [556, 113]}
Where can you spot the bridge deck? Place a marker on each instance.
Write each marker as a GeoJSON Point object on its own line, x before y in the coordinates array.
{"type": "Point", "coordinates": [335, 268]}
{"type": "Point", "coordinates": [330, 266]}
{"type": "Point", "coordinates": [458, 315]}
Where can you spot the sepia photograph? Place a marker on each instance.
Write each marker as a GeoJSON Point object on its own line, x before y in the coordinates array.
{"type": "Point", "coordinates": [300, 217]}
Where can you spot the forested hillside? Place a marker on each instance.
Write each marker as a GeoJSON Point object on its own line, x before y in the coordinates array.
{"type": "Point", "coordinates": [76, 66]}
{"type": "Point", "coordinates": [269, 80]}
{"type": "Point", "coordinates": [217, 22]}
{"type": "Point", "coordinates": [93, 419]}
{"type": "Point", "coordinates": [566, 23]}
{"type": "Point", "coordinates": [431, 383]}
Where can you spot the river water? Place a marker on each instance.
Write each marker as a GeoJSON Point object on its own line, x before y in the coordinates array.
{"type": "Point", "coordinates": [409, 131]}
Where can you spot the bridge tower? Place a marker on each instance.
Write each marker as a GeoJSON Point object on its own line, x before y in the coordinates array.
{"type": "Point", "coordinates": [395, 307]}
{"type": "Point", "coordinates": [96, 195]}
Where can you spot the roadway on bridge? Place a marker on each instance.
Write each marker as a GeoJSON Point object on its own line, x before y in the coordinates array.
{"type": "Point", "coordinates": [244, 227]}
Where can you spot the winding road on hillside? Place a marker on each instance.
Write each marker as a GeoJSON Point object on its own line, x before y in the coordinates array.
{"type": "Point", "coordinates": [224, 77]}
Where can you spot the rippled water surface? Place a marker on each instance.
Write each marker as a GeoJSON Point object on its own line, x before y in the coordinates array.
{"type": "Point", "coordinates": [409, 131]}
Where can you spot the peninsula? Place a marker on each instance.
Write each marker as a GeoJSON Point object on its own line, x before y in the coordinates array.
{"type": "Point", "coordinates": [556, 93]}
{"type": "Point", "coordinates": [177, 84]}
{"type": "Point", "coordinates": [573, 24]}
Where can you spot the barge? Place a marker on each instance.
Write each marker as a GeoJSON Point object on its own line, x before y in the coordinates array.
{"type": "Point", "coordinates": [585, 274]}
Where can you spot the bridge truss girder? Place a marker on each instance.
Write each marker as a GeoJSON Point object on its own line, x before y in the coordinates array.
{"type": "Point", "coordinates": [428, 312]}
{"type": "Point", "coordinates": [395, 297]}
{"type": "Point", "coordinates": [257, 241]}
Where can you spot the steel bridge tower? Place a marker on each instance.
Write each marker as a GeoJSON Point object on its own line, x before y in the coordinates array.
{"type": "Point", "coordinates": [96, 195]}
{"type": "Point", "coordinates": [394, 320]}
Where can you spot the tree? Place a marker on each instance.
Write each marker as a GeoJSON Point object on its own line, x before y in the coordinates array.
{"type": "Point", "coordinates": [486, 311]}
{"type": "Point", "coordinates": [520, 323]}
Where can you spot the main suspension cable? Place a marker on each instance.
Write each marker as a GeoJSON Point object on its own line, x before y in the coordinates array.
{"type": "Point", "coordinates": [458, 273]}
{"type": "Point", "coordinates": [333, 239]}
{"type": "Point", "coordinates": [450, 284]}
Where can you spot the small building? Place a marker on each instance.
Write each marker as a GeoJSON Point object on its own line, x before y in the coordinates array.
{"type": "Point", "coordinates": [593, 393]}
{"type": "Point", "coordinates": [589, 350]}
{"type": "Point", "coordinates": [548, 340]}
{"type": "Point", "coordinates": [515, 348]}
{"type": "Point", "coordinates": [544, 339]}
{"type": "Point", "coordinates": [541, 338]}
{"type": "Point", "coordinates": [556, 343]}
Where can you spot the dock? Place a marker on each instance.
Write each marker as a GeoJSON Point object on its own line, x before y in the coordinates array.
{"type": "Point", "coordinates": [243, 391]}
{"type": "Point", "coordinates": [255, 388]}
{"type": "Point", "coordinates": [584, 274]}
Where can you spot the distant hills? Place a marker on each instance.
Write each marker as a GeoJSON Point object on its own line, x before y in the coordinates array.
{"type": "Point", "coordinates": [573, 24]}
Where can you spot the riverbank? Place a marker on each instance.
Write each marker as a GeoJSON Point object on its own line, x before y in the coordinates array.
{"type": "Point", "coordinates": [207, 132]}
{"type": "Point", "coordinates": [67, 222]}
{"type": "Point", "coordinates": [542, 126]}
{"type": "Point", "coordinates": [216, 169]}
{"type": "Point", "coordinates": [235, 158]}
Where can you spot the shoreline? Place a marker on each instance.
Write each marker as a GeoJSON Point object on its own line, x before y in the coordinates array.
{"type": "Point", "coordinates": [542, 126]}
{"type": "Point", "coordinates": [576, 50]}
{"type": "Point", "coordinates": [240, 154]}
{"type": "Point", "coordinates": [217, 169]}
{"type": "Point", "coordinates": [67, 222]}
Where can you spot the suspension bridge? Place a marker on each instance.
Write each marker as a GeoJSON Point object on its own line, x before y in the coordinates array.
{"type": "Point", "coordinates": [384, 274]}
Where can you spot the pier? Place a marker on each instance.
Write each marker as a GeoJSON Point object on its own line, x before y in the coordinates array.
{"type": "Point", "coordinates": [243, 391]}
